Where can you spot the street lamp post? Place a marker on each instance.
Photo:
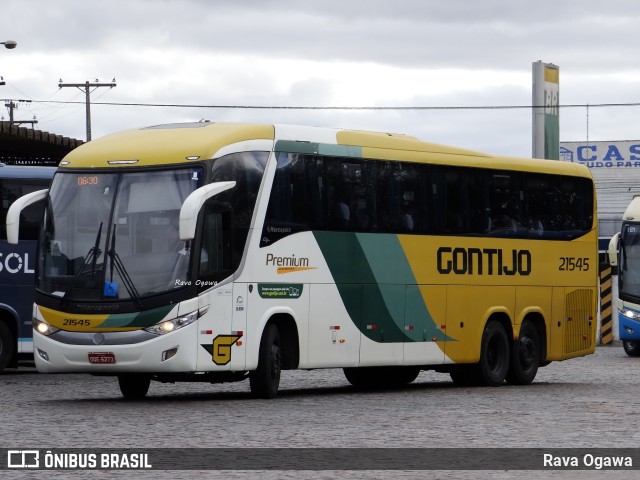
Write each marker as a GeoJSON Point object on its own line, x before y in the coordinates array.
{"type": "Point", "coordinates": [8, 44]}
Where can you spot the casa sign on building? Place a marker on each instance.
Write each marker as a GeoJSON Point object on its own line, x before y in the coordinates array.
{"type": "Point", "coordinates": [613, 154]}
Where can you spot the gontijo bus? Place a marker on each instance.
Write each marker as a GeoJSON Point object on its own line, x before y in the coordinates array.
{"type": "Point", "coordinates": [216, 252]}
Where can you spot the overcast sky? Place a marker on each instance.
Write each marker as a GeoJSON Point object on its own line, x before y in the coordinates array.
{"type": "Point", "coordinates": [327, 53]}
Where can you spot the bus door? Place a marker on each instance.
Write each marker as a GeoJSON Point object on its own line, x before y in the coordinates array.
{"type": "Point", "coordinates": [382, 325]}
{"type": "Point", "coordinates": [222, 328]}
{"type": "Point", "coordinates": [423, 324]}
{"type": "Point", "coordinates": [398, 327]}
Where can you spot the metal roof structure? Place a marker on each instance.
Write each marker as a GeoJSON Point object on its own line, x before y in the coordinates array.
{"type": "Point", "coordinates": [615, 188]}
{"type": "Point", "coordinates": [26, 146]}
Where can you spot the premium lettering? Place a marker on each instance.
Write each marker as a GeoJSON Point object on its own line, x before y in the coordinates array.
{"type": "Point", "coordinates": [485, 261]}
{"type": "Point", "coordinates": [291, 261]}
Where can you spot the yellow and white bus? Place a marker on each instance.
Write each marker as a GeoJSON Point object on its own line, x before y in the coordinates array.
{"type": "Point", "coordinates": [218, 252]}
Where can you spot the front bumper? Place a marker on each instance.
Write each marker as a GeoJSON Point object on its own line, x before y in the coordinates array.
{"type": "Point", "coordinates": [628, 328]}
{"type": "Point", "coordinates": [53, 356]}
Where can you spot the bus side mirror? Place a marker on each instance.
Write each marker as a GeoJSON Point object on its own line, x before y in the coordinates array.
{"type": "Point", "coordinates": [13, 214]}
{"type": "Point", "coordinates": [192, 205]}
{"type": "Point", "coordinates": [613, 250]}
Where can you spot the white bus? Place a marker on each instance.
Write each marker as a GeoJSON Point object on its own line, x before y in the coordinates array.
{"type": "Point", "coordinates": [219, 252]}
{"type": "Point", "coordinates": [624, 252]}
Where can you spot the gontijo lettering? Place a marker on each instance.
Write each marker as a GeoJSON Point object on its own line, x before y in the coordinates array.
{"type": "Point", "coordinates": [485, 261]}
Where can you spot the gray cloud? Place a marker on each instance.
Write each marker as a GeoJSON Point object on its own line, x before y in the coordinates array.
{"type": "Point", "coordinates": [278, 52]}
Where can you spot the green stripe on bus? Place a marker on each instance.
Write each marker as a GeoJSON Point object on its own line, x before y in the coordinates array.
{"type": "Point", "coordinates": [328, 149]}
{"type": "Point", "coordinates": [377, 286]}
{"type": "Point", "coordinates": [391, 268]}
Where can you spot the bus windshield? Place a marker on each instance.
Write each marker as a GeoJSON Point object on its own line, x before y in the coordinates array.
{"type": "Point", "coordinates": [629, 272]}
{"type": "Point", "coordinates": [110, 236]}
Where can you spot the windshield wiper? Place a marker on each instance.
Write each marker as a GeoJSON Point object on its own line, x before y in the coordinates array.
{"type": "Point", "coordinates": [126, 279]}
{"type": "Point", "coordinates": [90, 258]}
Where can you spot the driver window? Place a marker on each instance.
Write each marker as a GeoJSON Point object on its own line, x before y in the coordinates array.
{"type": "Point", "coordinates": [216, 259]}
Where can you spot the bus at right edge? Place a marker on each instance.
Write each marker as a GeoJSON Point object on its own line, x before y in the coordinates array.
{"type": "Point", "coordinates": [624, 252]}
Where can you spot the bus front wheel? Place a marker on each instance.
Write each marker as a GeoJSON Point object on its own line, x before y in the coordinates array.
{"type": "Point", "coordinates": [7, 346]}
{"type": "Point", "coordinates": [631, 348]}
{"type": "Point", "coordinates": [265, 380]}
{"type": "Point", "coordinates": [134, 386]}
{"type": "Point", "coordinates": [494, 355]}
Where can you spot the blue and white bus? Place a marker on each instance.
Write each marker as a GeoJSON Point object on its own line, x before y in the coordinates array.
{"type": "Point", "coordinates": [17, 262]}
{"type": "Point", "coordinates": [624, 252]}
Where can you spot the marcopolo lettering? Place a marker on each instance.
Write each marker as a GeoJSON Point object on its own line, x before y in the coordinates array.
{"type": "Point", "coordinates": [485, 261]}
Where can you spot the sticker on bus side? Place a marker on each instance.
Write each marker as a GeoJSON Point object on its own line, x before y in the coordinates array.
{"type": "Point", "coordinates": [280, 290]}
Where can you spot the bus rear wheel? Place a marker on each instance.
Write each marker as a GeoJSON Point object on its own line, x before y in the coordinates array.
{"type": "Point", "coordinates": [265, 380]}
{"type": "Point", "coordinates": [134, 386]}
{"type": "Point", "coordinates": [494, 355]}
{"type": "Point", "coordinates": [7, 346]}
{"type": "Point", "coordinates": [525, 356]}
{"type": "Point", "coordinates": [631, 348]}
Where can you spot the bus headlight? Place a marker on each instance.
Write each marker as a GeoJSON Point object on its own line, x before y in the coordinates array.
{"type": "Point", "coordinates": [168, 326]}
{"type": "Point", "coordinates": [632, 314]}
{"type": "Point", "coordinates": [43, 327]}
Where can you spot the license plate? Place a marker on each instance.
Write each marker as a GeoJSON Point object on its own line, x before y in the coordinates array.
{"type": "Point", "coordinates": [102, 357]}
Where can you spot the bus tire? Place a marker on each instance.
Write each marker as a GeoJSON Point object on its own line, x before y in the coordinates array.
{"type": "Point", "coordinates": [403, 375]}
{"type": "Point", "coordinates": [7, 346]}
{"type": "Point", "coordinates": [631, 348]}
{"type": "Point", "coordinates": [134, 386]}
{"type": "Point", "coordinates": [359, 376]}
{"type": "Point", "coordinates": [494, 355]}
{"type": "Point", "coordinates": [265, 380]}
{"type": "Point", "coordinates": [525, 356]}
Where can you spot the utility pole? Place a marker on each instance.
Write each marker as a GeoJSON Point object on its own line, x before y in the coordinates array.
{"type": "Point", "coordinates": [87, 86]}
{"type": "Point", "coordinates": [11, 106]}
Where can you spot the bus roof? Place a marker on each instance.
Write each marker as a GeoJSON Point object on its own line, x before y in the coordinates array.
{"type": "Point", "coordinates": [632, 212]}
{"type": "Point", "coordinates": [188, 142]}
{"type": "Point", "coordinates": [26, 171]}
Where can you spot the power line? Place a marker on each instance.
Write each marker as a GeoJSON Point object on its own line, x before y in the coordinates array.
{"type": "Point", "coordinates": [287, 107]}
